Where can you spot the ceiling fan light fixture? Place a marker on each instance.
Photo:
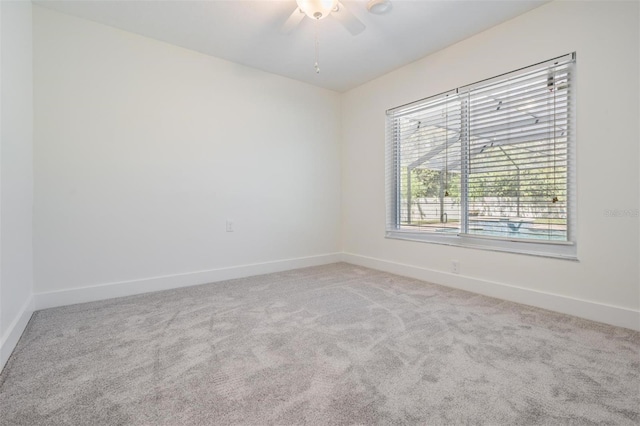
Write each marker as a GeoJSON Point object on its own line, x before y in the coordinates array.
{"type": "Point", "coordinates": [379, 7]}
{"type": "Point", "coordinates": [317, 9]}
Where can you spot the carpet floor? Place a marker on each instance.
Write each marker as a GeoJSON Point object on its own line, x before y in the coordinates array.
{"type": "Point", "coordinates": [335, 344]}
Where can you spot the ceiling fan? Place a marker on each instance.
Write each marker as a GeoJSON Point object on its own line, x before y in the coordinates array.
{"type": "Point", "coordinates": [320, 9]}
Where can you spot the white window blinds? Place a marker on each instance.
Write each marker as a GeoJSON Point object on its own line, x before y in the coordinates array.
{"type": "Point", "coordinates": [491, 160]}
{"type": "Point", "coordinates": [426, 164]}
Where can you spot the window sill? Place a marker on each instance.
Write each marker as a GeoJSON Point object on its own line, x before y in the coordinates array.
{"type": "Point", "coordinates": [554, 250]}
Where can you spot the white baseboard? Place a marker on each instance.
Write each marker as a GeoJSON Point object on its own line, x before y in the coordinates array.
{"type": "Point", "coordinates": [73, 296]}
{"type": "Point", "coordinates": [9, 340]}
{"type": "Point", "coordinates": [608, 314]}
{"type": "Point", "coordinates": [614, 315]}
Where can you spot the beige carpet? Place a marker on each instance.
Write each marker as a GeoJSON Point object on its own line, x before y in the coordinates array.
{"type": "Point", "coordinates": [336, 344]}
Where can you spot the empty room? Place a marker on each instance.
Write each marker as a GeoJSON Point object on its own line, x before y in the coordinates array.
{"type": "Point", "coordinates": [319, 212]}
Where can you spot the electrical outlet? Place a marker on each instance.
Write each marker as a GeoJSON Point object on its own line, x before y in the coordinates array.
{"type": "Point", "coordinates": [230, 226]}
{"type": "Point", "coordinates": [455, 266]}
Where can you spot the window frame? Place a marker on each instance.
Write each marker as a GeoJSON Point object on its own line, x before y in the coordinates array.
{"type": "Point", "coordinates": [545, 248]}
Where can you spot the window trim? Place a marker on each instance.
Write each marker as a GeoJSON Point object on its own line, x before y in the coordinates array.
{"type": "Point", "coordinates": [552, 249]}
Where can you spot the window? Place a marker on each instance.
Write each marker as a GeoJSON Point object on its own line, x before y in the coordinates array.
{"type": "Point", "coordinates": [488, 165]}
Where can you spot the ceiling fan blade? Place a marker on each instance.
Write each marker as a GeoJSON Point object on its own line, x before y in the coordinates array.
{"type": "Point", "coordinates": [348, 19]}
{"type": "Point", "coordinates": [292, 21]}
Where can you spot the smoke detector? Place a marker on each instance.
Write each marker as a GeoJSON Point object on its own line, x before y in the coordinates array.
{"type": "Point", "coordinates": [379, 7]}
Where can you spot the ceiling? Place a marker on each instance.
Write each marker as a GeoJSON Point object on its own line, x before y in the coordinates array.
{"type": "Point", "coordinates": [248, 32]}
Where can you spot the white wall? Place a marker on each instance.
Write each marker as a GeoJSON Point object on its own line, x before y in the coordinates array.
{"type": "Point", "coordinates": [606, 38]}
{"type": "Point", "coordinates": [141, 155]}
{"type": "Point", "coordinates": [144, 149]}
{"type": "Point", "coordinates": [16, 173]}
